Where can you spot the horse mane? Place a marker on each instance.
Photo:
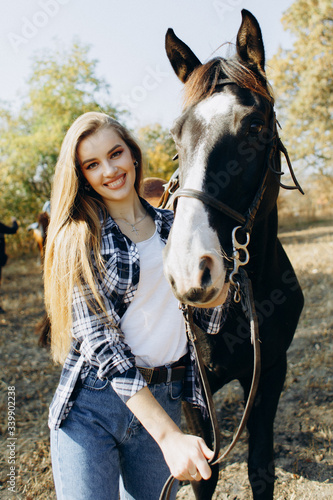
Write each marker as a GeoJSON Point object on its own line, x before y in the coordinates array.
{"type": "Point", "coordinates": [204, 79]}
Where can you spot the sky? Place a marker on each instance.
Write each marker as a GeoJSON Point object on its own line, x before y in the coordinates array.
{"type": "Point", "coordinates": [127, 38]}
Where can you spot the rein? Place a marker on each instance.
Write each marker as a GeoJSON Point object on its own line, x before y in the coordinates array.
{"type": "Point", "coordinates": [248, 307]}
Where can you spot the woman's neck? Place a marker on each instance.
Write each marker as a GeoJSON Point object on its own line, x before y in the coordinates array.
{"type": "Point", "coordinates": [128, 210]}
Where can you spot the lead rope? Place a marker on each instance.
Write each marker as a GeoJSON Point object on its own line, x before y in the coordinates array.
{"type": "Point", "coordinates": [248, 306]}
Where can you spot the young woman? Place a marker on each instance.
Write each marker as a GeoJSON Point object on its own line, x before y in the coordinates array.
{"type": "Point", "coordinates": [116, 327]}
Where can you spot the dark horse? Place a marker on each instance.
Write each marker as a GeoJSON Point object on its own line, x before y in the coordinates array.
{"type": "Point", "coordinates": [230, 168]}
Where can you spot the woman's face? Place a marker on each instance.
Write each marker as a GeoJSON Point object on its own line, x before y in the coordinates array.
{"type": "Point", "coordinates": [107, 165]}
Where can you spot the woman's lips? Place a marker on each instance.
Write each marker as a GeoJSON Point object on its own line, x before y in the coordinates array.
{"type": "Point", "coordinates": [116, 183]}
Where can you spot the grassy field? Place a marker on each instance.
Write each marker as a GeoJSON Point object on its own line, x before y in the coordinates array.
{"type": "Point", "coordinates": [303, 429]}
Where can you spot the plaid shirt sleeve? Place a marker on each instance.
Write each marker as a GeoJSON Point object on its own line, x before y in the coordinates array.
{"type": "Point", "coordinates": [212, 320]}
{"type": "Point", "coordinates": [102, 343]}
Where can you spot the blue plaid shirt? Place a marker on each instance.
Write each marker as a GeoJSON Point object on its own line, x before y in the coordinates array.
{"type": "Point", "coordinates": [100, 343]}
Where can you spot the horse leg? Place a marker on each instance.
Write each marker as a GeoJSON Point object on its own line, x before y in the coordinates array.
{"type": "Point", "coordinates": [261, 469]}
{"type": "Point", "coordinates": [203, 490]}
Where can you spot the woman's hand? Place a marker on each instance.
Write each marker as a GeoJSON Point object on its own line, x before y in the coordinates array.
{"type": "Point", "coordinates": [186, 456]}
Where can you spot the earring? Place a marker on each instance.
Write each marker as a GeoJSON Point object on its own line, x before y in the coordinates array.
{"type": "Point", "coordinates": [87, 187]}
{"type": "Point", "coordinates": [136, 164]}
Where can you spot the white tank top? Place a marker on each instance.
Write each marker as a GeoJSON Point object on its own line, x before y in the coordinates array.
{"type": "Point", "coordinates": [153, 324]}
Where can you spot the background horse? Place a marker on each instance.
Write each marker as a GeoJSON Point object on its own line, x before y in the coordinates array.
{"type": "Point", "coordinates": [153, 189]}
{"type": "Point", "coordinates": [39, 230]}
{"type": "Point", "coordinates": [229, 156]}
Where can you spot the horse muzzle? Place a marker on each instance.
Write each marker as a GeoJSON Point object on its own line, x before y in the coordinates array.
{"type": "Point", "coordinates": [197, 276]}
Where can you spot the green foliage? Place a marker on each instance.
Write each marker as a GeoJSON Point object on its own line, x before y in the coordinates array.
{"type": "Point", "coordinates": [159, 149]}
{"type": "Point", "coordinates": [62, 85]}
{"type": "Point", "coordinates": [302, 79]}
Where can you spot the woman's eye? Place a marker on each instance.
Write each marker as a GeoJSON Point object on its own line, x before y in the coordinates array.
{"type": "Point", "coordinates": [256, 128]}
{"type": "Point", "coordinates": [92, 165]}
{"type": "Point", "coordinates": [116, 153]}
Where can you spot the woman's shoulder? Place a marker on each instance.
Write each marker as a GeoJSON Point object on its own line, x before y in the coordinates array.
{"type": "Point", "coordinates": [165, 214]}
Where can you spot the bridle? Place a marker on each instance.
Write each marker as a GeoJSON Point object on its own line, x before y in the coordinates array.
{"type": "Point", "coordinates": [246, 220]}
{"type": "Point", "coordinates": [238, 278]}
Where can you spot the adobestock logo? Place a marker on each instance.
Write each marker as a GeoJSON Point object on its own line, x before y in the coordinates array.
{"type": "Point", "coordinates": [264, 309]}
{"type": "Point", "coordinates": [223, 7]}
{"type": "Point", "coordinates": [40, 19]}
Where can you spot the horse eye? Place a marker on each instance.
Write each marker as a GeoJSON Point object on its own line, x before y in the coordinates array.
{"type": "Point", "coordinates": [256, 128]}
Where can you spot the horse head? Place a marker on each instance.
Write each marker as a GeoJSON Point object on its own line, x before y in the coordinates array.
{"type": "Point", "coordinates": [226, 138]}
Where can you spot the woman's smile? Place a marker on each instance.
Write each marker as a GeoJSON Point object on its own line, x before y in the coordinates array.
{"type": "Point", "coordinates": [116, 183]}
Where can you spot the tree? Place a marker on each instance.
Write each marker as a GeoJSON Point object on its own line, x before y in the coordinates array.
{"type": "Point", "coordinates": [302, 78]}
{"type": "Point", "coordinates": [63, 84]}
{"type": "Point", "coordinates": [159, 150]}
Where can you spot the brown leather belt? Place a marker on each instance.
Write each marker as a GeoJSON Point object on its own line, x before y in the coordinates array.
{"type": "Point", "coordinates": [163, 374]}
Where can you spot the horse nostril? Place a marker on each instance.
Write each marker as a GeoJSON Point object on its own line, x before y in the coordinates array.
{"type": "Point", "coordinates": [205, 266]}
{"type": "Point", "coordinates": [206, 261]}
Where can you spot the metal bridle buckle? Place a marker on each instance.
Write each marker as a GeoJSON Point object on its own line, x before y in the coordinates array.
{"type": "Point", "coordinates": [237, 249]}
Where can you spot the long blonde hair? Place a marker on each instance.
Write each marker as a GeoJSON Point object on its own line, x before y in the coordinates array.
{"type": "Point", "coordinates": [74, 231]}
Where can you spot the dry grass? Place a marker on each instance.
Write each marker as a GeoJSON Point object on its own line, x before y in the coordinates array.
{"type": "Point", "coordinates": [28, 368]}
{"type": "Point", "coordinates": [303, 429]}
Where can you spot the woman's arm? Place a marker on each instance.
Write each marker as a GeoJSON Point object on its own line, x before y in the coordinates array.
{"type": "Point", "coordinates": [9, 229]}
{"type": "Point", "coordinates": [186, 455]}
{"type": "Point", "coordinates": [104, 347]}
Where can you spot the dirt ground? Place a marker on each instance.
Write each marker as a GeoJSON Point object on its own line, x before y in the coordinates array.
{"type": "Point", "coordinates": [303, 427]}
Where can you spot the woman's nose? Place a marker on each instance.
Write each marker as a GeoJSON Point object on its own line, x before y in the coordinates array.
{"type": "Point", "coordinates": [109, 168]}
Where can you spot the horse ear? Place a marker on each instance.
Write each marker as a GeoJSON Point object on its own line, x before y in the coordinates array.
{"type": "Point", "coordinates": [250, 47]}
{"type": "Point", "coordinates": [181, 57]}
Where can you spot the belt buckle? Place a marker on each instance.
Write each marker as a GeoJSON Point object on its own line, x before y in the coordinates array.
{"type": "Point", "coordinates": [147, 373]}
{"type": "Point", "coordinates": [169, 373]}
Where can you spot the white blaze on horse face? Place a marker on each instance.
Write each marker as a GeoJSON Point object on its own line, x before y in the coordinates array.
{"type": "Point", "coordinates": [217, 104]}
{"type": "Point", "coordinates": [193, 241]}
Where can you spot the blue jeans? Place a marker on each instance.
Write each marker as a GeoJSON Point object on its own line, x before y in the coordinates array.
{"type": "Point", "coordinates": [101, 450]}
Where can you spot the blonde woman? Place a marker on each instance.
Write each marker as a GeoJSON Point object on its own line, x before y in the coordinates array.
{"type": "Point", "coordinates": [116, 327]}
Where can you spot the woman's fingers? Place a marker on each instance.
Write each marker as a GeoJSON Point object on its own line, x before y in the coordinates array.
{"type": "Point", "coordinates": [196, 476]}
{"type": "Point", "coordinates": [187, 457]}
{"type": "Point", "coordinates": [203, 468]}
{"type": "Point", "coordinates": [207, 452]}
